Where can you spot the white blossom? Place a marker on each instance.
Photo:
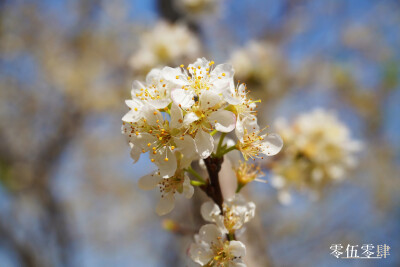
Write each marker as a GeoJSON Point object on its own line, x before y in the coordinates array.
{"type": "Point", "coordinates": [252, 142]}
{"type": "Point", "coordinates": [319, 150]}
{"type": "Point", "coordinates": [165, 44]}
{"type": "Point", "coordinates": [174, 115]}
{"type": "Point", "coordinates": [236, 212]}
{"type": "Point", "coordinates": [212, 247]}
{"type": "Point", "coordinates": [179, 183]}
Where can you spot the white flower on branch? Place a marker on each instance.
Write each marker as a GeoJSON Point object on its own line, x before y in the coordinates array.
{"type": "Point", "coordinates": [179, 183]}
{"type": "Point", "coordinates": [211, 248]}
{"type": "Point", "coordinates": [236, 212]}
{"type": "Point", "coordinates": [252, 142]}
{"type": "Point", "coordinates": [174, 116]}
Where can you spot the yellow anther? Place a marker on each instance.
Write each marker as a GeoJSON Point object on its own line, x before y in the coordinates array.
{"type": "Point", "coordinates": [182, 66]}
{"type": "Point", "coordinates": [155, 112]}
{"type": "Point", "coordinates": [166, 159]}
{"type": "Point", "coordinates": [154, 148]}
{"type": "Point", "coordinates": [152, 160]}
{"type": "Point", "coordinates": [137, 133]}
{"type": "Point", "coordinates": [160, 138]}
{"type": "Point", "coordinates": [172, 147]}
{"type": "Point", "coordinates": [177, 77]}
{"type": "Point", "coordinates": [136, 109]}
{"type": "Point", "coordinates": [223, 74]}
{"type": "Point", "coordinates": [148, 144]}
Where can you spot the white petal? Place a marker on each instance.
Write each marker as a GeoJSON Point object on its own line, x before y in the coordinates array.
{"type": "Point", "coordinates": [224, 83]}
{"type": "Point", "coordinates": [204, 144]}
{"type": "Point", "coordinates": [237, 248]}
{"type": "Point", "coordinates": [170, 75]}
{"type": "Point", "coordinates": [187, 147]}
{"type": "Point", "coordinates": [166, 204]}
{"type": "Point", "coordinates": [131, 116]}
{"type": "Point", "coordinates": [209, 99]}
{"type": "Point", "coordinates": [231, 98]}
{"type": "Point", "coordinates": [221, 69]}
{"type": "Point", "coordinates": [166, 168]}
{"type": "Point", "coordinates": [176, 116]}
{"type": "Point", "coordinates": [183, 98]}
{"type": "Point", "coordinates": [159, 103]}
{"type": "Point", "coordinates": [134, 103]}
{"type": "Point", "coordinates": [149, 181]}
{"type": "Point", "coordinates": [223, 120]}
{"type": "Point", "coordinates": [152, 115]}
{"type": "Point", "coordinates": [272, 144]}
{"type": "Point", "coordinates": [136, 86]}
{"type": "Point", "coordinates": [248, 124]}
{"type": "Point", "coordinates": [200, 62]}
{"type": "Point", "coordinates": [143, 139]}
{"type": "Point", "coordinates": [209, 210]}
{"type": "Point", "coordinates": [153, 76]}
{"type": "Point", "coordinates": [189, 118]}
{"type": "Point", "coordinates": [199, 254]}
{"type": "Point", "coordinates": [210, 233]}
{"type": "Point", "coordinates": [136, 151]}
{"type": "Point", "coordinates": [188, 189]}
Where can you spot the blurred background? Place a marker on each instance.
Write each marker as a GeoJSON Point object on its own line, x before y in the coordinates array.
{"type": "Point", "coordinates": [68, 188]}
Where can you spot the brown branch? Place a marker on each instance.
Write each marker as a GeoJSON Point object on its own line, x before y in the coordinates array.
{"type": "Point", "coordinates": [213, 188]}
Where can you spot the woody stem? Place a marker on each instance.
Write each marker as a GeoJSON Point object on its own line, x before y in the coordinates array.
{"type": "Point", "coordinates": [213, 189]}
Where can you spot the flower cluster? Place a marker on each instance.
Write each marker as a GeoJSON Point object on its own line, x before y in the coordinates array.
{"type": "Point", "coordinates": [174, 117]}
{"type": "Point", "coordinates": [214, 245]}
{"type": "Point", "coordinates": [166, 43]}
{"type": "Point", "coordinates": [319, 150]}
{"type": "Point", "coordinates": [261, 64]}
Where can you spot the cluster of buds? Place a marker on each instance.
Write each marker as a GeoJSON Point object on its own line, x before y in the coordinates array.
{"type": "Point", "coordinates": [180, 115]}
{"type": "Point", "coordinates": [318, 151]}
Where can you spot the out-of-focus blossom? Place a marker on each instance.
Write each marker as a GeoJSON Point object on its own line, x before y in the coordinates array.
{"type": "Point", "coordinates": [318, 151]}
{"type": "Point", "coordinates": [211, 248]}
{"type": "Point", "coordinates": [165, 44]}
{"type": "Point", "coordinates": [260, 64]}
